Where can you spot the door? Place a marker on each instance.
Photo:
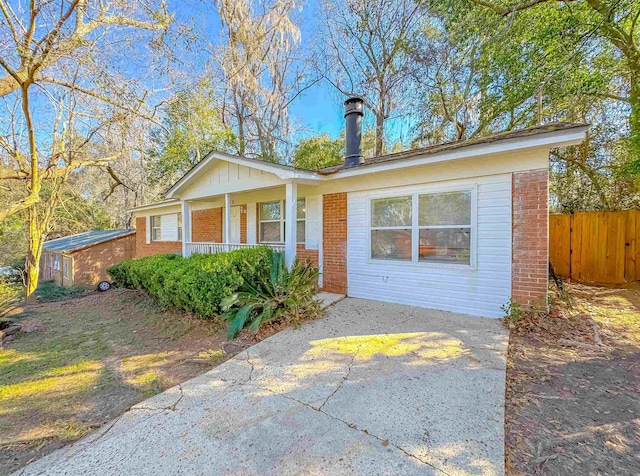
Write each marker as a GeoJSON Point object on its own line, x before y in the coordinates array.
{"type": "Point", "coordinates": [234, 232]}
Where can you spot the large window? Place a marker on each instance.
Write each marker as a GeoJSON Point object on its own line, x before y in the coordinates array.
{"type": "Point", "coordinates": [430, 227]}
{"type": "Point", "coordinates": [166, 227]}
{"type": "Point", "coordinates": [391, 228]}
{"type": "Point", "coordinates": [444, 223]}
{"type": "Point", "coordinates": [272, 219]}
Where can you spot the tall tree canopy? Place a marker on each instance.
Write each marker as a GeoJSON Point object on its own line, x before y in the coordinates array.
{"type": "Point", "coordinates": [60, 58]}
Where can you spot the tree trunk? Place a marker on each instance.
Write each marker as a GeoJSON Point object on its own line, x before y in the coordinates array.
{"type": "Point", "coordinates": [379, 133]}
{"type": "Point", "coordinates": [32, 270]}
{"type": "Point", "coordinates": [634, 117]}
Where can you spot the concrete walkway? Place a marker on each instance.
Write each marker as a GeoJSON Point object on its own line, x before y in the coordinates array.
{"type": "Point", "coordinates": [371, 388]}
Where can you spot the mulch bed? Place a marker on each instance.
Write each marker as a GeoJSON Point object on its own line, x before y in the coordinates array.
{"type": "Point", "coordinates": [573, 386]}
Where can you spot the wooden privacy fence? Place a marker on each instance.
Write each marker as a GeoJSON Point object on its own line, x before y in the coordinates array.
{"type": "Point", "coordinates": [596, 247]}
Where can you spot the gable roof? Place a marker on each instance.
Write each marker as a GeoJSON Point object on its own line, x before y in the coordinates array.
{"type": "Point", "coordinates": [554, 134]}
{"type": "Point", "coordinates": [280, 170]}
{"type": "Point", "coordinates": [448, 146]}
{"type": "Point", "coordinates": [67, 244]}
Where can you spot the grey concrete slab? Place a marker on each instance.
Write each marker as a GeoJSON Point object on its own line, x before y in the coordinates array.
{"type": "Point", "coordinates": [371, 388]}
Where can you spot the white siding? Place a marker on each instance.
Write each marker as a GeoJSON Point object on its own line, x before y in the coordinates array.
{"type": "Point", "coordinates": [227, 177]}
{"type": "Point", "coordinates": [312, 222]}
{"type": "Point", "coordinates": [169, 227]}
{"type": "Point", "coordinates": [478, 290]}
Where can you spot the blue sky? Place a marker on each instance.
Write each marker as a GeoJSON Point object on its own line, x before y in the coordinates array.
{"type": "Point", "coordinates": [318, 109]}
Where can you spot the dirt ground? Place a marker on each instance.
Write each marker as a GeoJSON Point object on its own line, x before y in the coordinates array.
{"type": "Point", "coordinates": [573, 386]}
{"type": "Point", "coordinates": [80, 363]}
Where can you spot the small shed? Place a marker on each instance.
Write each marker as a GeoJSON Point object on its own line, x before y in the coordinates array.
{"type": "Point", "coordinates": [83, 259]}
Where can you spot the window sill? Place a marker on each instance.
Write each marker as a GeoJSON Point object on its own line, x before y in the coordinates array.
{"type": "Point", "coordinates": [423, 264]}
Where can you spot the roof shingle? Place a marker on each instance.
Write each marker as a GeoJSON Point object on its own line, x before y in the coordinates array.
{"type": "Point", "coordinates": [433, 149]}
{"type": "Point", "coordinates": [82, 240]}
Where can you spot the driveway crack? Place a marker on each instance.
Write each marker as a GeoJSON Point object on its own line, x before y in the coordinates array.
{"type": "Point", "coordinates": [252, 367]}
{"type": "Point", "coordinates": [355, 428]}
{"type": "Point", "coordinates": [344, 379]}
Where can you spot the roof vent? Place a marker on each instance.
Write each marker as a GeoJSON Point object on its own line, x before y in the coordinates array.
{"type": "Point", "coordinates": [353, 112]}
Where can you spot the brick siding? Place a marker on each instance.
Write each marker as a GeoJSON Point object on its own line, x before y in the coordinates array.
{"type": "Point", "coordinates": [155, 247]}
{"type": "Point", "coordinates": [334, 239]}
{"type": "Point", "coordinates": [90, 264]}
{"type": "Point", "coordinates": [530, 252]}
{"type": "Point", "coordinates": [305, 255]}
{"type": "Point", "coordinates": [207, 225]}
{"type": "Point", "coordinates": [243, 224]}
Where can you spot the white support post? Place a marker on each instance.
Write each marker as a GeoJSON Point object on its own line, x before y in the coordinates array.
{"type": "Point", "coordinates": [227, 219]}
{"type": "Point", "coordinates": [290, 223]}
{"type": "Point", "coordinates": [186, 227]}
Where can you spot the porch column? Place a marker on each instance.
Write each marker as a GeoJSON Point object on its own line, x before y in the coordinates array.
{"type": "Point", "coordinates": [186, 227]}
{"type": "Point", "coordinates": [227, 217]}
{"type": "Point", "coordinates": [291, 215]}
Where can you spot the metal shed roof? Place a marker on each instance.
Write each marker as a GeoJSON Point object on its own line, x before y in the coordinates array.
{"type": "Point", "coordinates": [82, 240]}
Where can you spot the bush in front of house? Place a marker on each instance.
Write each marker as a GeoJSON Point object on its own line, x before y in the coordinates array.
{"type": "Point", "coordinates": [277, 294]}
{"type": "Point", "coordinates": [196, 284]}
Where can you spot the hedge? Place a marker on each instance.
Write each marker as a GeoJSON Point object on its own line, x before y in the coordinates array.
{"type": "Point", "coordinates": [196, 284]}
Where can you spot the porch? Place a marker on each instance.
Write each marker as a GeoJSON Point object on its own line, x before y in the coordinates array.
{"type": "Point", "coordinates": [213, 248]}
{"type": "Point", "coordinates": [247, 219]}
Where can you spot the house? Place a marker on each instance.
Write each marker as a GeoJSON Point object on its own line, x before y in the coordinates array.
{"type": "Point", "coordinates": [83, 259]}
{"type": "Point", "coordinates": [461, 226]}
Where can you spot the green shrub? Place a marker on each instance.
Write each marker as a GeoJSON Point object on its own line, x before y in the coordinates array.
{"type": "Point", "coordinates": [9, 295]}
{"type": "Point", "coordinates": [512, 311]}
{"type": "Point", "coordinates": [197, 284]}
{"type": "Point", "coordinates": [275, 294]}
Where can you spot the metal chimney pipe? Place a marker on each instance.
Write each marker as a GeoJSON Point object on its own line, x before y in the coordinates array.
{"type": "Point", "coordinates": [353, 112]}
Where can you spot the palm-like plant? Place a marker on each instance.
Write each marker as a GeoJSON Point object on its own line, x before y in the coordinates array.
{"type": "Point", "coordinates": [282, 294]}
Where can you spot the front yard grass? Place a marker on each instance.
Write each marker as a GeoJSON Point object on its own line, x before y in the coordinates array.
{"type": "Point", "coordinates": [573, 386]}
{"type": "Point", "coordinates": [81, 362]}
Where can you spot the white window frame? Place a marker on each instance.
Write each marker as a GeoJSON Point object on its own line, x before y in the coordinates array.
{"type": "Point", "coordinates": [280, 220]}
{"type": "Point", "coordinates": [56, 262]}
{"type": "Point", "coordinates": [415, 229]}
{"type": "Point", "coordinates": [154, 228]}
{"type": "Point", "coordinates": [398, 227]}
{"type": "Point", "coordinates": [159, 227]}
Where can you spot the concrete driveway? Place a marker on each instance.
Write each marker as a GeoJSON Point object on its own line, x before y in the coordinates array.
{"type": "Point", "coordinates": [371, 388]}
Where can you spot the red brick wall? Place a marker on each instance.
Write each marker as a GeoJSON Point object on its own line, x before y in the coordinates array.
{"type": "Point", "coordinates": [334, 238]}
{"type": "Point", "coordinates": [243, 224]}
{"type": "Point", "coordinates": [90, 264]}
{"type": "Point", "coordinates": [530, 192]}
{"type": "Point", "coordinates": [310, 256]}
{"type": "Point", "coordinates": [207, 225]}
{"type": "Point", "coordinates": [155, 247]}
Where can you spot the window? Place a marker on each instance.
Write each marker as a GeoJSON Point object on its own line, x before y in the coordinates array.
{"type": "Point", "coordinates": [156, 228]}
{"type": "Point", "coordinates": [56, 262]}
{"type": "Point", "coordinates": [391, 228]}
{"type": "Point", "coordinates": [166, 227]}
{"type": "Point", "coordinates": [430, 227]}
{"type": "Point", "coordinates": [302, 214]}
{"type": "Point", "coordinates": [444, 224]}
{"type": "Point", "coordinates": [272, 220]}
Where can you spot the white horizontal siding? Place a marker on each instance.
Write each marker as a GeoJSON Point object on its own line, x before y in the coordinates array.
{"type": "Point", "coordinates": [480, 290]}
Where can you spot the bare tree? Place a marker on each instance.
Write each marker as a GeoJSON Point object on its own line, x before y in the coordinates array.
{"type": "Point", "coordinates": [59, 54]}
{"type": "Point", "coordinates": [260, 70]}
{"type": "Point", "coordinates": [365, 46]}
